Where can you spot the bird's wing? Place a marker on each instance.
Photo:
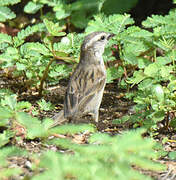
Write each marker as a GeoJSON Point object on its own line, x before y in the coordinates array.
{"type": "Point", "coordinates": [83, 85]}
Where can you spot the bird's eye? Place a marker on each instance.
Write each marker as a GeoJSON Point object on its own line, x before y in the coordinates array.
{"type": "Point", "coordinates": [102, 37]}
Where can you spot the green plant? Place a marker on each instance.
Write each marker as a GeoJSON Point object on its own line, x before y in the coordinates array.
{"type": "Point", "coordinates": [5, 12]}
{"type": "Point", "coordinates": [103, 157]}
{"type": "Point", "coordinates": [78, 12]}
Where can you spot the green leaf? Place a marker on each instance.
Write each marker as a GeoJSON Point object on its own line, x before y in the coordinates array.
{"type": "Point", "coordinates": [121, 120]}
{"type": "Point", "coordinates": [72, 129]}
{"type": "Point", "coordinates": [138, 76]}
{"type": "Point", "coordinates": [29, 30]}
{"type": "Point", "coordinates": [113, 23]}
{"type": "Point", "coordinates": [20, 66]}
{"type": "Point", "coordinates": [146, 84]}
{"type": "Point", "coordinates": [79, 19]}
{"type": "Point", "coordinates": [32, 49]}
{"type": "Point", "coordinates": [6, 13]}
{"type": "Point", "coordinates": [172, 85]}
{"type": "Point", "coordinates": [173, 123]}
{"type": "Point", "coordinates": [4, 38]}
{"type": "Point", "coordinates": [46, 106]}
{"type": "Point", "coordinates": [33, 125]}
{"type": "Point", "coordinates": [5, 114]}
{"type": "Point", "coordinates": [9, 172]}
{"type": "Point", "coordinates": [143, 62]}
{"type": "Point", "coordinates": [23, 105]}
{"type": "Point", "coordinates": [152, 69]}
{"type": "Point", "coordinates": [62, 10]}
{"type": "Point", "coordinates": [53, 29]}
{"type": "Point", "coordinates": [158, 116]}
{"type": "Point", "coordinates": [5, 137]}
{"type": "Point", "coordinates": [130, 58]}
{"type": "Point", "coordinates": [114, 73]}
{"type": "Point", "coordinates": [172, 155]}
{"type": "Point", "coordinates": [9, 2]}
{"type": "Point", "coordinates": [10, 101]}
{"type": "Point", "coordinates": [32, 7]}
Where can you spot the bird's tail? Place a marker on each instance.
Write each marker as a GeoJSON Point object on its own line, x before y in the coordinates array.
{"type": "Point", "coordinates": [58, 119]}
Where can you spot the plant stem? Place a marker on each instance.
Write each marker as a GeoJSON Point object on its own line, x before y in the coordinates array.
{"type": "Point", "coordinates": [45, 74]}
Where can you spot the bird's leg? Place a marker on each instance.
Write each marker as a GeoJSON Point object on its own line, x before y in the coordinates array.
{"type": "Point", "coordinates": [95, 115]}
{"type": "Point", "coordinates": [58, 119]}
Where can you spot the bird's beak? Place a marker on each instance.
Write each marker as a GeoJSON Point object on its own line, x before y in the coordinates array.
{"type": "Point", "coordinates": [110, 35]}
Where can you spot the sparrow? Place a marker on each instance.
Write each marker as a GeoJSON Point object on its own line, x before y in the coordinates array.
{"type": "Point", "coordinates": [86, 85]}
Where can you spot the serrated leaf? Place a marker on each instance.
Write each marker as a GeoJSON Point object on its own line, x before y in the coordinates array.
{"type": "Point", "coordinates": [53, 29]}
{"type": "Point", "coordinates": [10, 101]}
{"type": "Point", "coordinates": [145, 84]}
{"type": "Point", "coordinates": [6, 13]}
{"type": "Point", "coordinates": [158, 116]}
{"type": "Point", "coordinates": [32, 7]}
{"type": "Point", "coordinates": [46, 106]}
{"type": "Point", "coordinates": [33, 125]}
{"type": "Point", "coordinates": [152, 69]}
{"type": "Point", "coordinates": [33, 48]}
{"type": "Point", "coordinates": [5, 137]}
{"type": "Point", "coordinates": [29, 30]}
{"type": "Point", "coordinates": [62, 10]}
{"type": "Point", "coordinates": [113, 23]}
{"type": "Point", "coordinates": [138, 76]}
{"type": "Point", "coordinates": [114, 73]}
{"type": "Point", "coordinates": [5, 38]}
{"type": "Point", "coordinates": [23, 105]}
{"type": "Point", "coordinates": [20, 66]}
{"type": "Point", "coordinates": [5, 114]}
{"type": "Point", "coordinates": [130, 58]}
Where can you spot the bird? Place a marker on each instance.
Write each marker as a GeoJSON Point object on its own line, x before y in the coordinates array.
{"type": "Point", "coordinates": [86, 85]}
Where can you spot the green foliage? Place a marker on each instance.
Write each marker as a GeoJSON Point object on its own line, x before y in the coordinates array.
{"type": "Point", "coordinates": [72, 129]}
{"type": "Point", "coordinates": [153, 54]}
{"type": "Point", "coordinates": [114, 73]}
{"type": "Point", "coordinates": [46, 106]}
{"type": "Point", "coordinates": [53, 28]}
{"type": "Point", "coordinates": [9, 2]}
{"type": "Point", "coordinates": [32, 7]}
{"type": "Point", "coordinates": [113, 158]}
{"type": "Point", "coordinates": [30, 58]}
{"type": "Point", "coordinates": [144, 59]}
{"type": "Point", "coordinates": [80, 11]}
{"type": "Point", "coordinates": [172, 155]}
{"type": "Point", "coordinates": [6, 13]}
{"type": "Point", "coordinates": [5, 154]}
{"type": "Point", "coordinates": [114, 23]}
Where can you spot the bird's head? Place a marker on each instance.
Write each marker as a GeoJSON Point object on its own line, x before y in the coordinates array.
{"type": "Point", "coordinates": [95, 43]}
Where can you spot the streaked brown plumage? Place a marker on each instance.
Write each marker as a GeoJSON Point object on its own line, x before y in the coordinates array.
{"type": "Point", "coordinates": [86, 85]}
